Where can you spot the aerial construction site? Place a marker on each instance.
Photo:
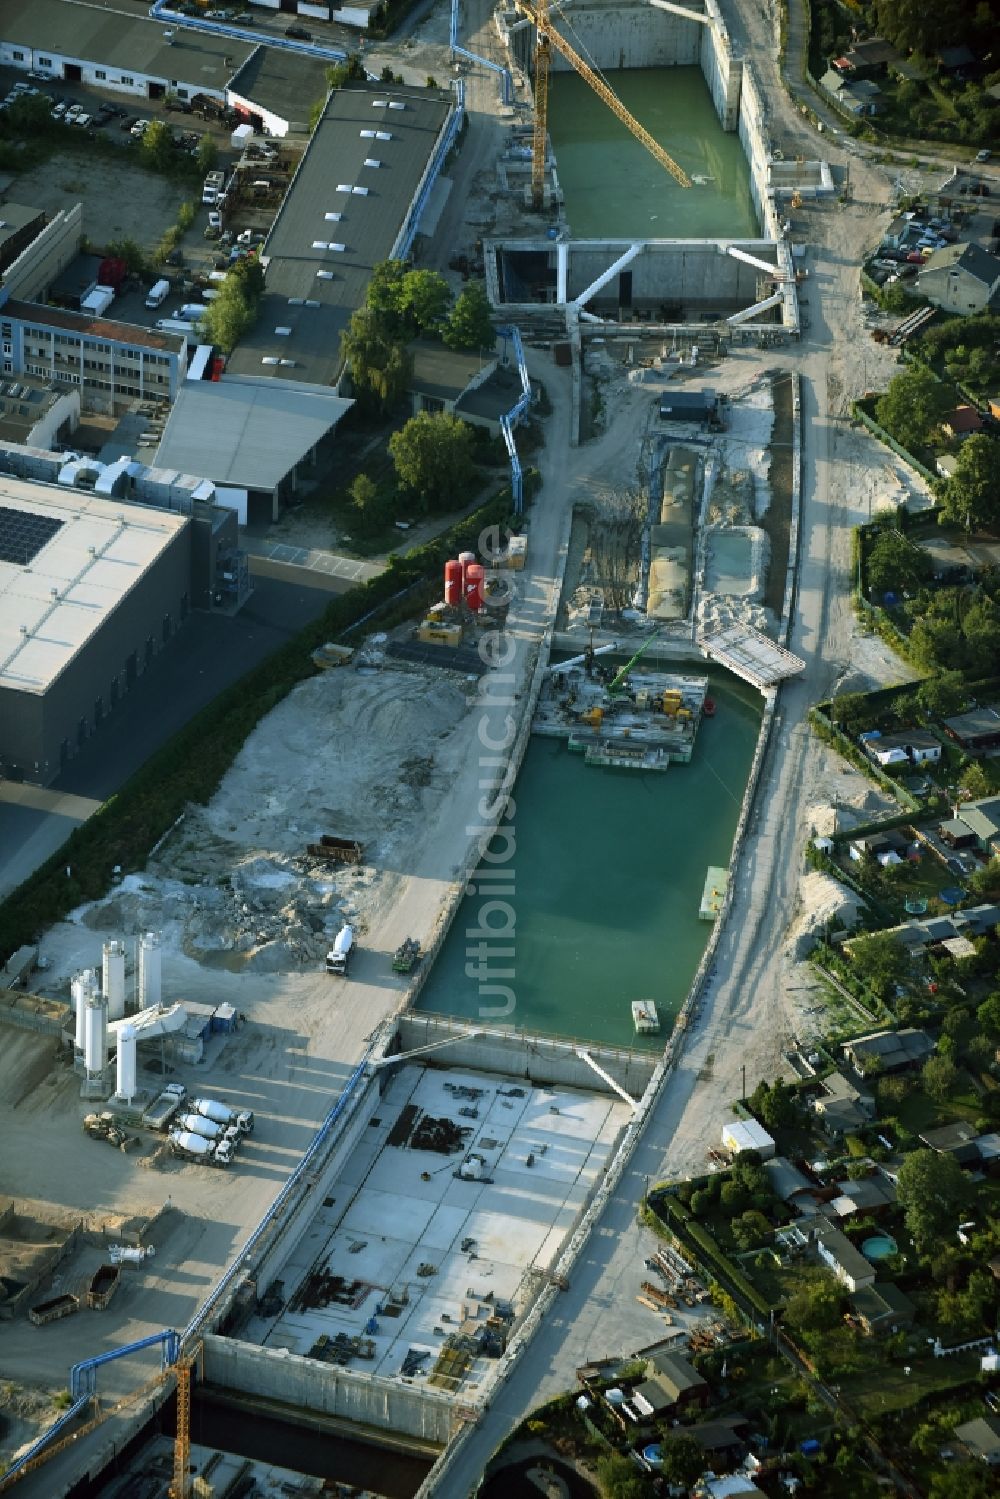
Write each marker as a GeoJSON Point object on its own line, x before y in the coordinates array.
{"type": "Point", "coordinates": [321, 1107]}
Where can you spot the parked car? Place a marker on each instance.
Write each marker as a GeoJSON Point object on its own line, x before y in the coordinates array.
{"type": "Point", "coordinates": [83, 120]}
{"type": "Point", "coordinates": [915, 257]}
{"type": "Point", "coordinates": [298, 33]}
{"type": "Point", "coordinates": [128, 122]}
{"type": "Point", "coordinates": [140, 127]}
{"type": "Point", "coordinates": [59, 111]}
{"type": "Point", "coordinates": [980, 155]}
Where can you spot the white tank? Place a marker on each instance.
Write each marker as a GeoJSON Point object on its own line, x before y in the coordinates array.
{"type": "Point", "coordinates": [213, 1109]}
{"type": "Point", "coordinates": [149, 970]}
{"type": "Point", "coordinates": [199, 1125]}
{"type": "Point", "coordinates": [114, 978]}
{"type": "Point", "coordinates": [344, 942]}
{"type": "Point", "coordinates": [193, 1144]}
{"type": "Point", "coordinates": [95, 1041]}
{"type": "Point", "coordinates": [126, 1063]}
{"type": "Point", "coordinates": [82, 987]}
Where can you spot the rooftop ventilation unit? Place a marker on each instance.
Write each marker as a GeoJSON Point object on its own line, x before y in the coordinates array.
{"type": "Point", "coordinates": [288, 364]}
{"type": "Point", "coordinates": [360, 192]}
{"type": "Point", "coordinates": [295, 301]}
{"type": "Point", "coordinates": [319, 244]}
{"type": "Point", "coordinates": [332, 217]}
{"type": "Point", "coordinates": [311, 302]}
{"type": "Point", "coordinates": [270, 359]}
{"type": "Point", "coordinates": [380, 103]}
{"type": "Point", "coordinates": [339, 248]}
{"type": "Point", "coordinates": [283, 332]}
{"type": "Point", "coordinates": [367, 135]}
{"type": "Point", "coordinates": [324, 276]}
{"type": "Point", "coordinates": [383, 135]}
{"type": "Point", "coordinates": [396, 104]}
{"type": "Point", "coordinates": [343, 187]}
{"type": "Point", "coordinates": [371, 161]}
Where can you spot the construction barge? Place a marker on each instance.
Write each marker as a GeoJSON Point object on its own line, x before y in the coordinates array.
{"type": "Point", "coordinates": [639, 720]}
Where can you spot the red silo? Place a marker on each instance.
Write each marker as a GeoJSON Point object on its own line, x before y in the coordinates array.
{"type": "Point", "coordinates": [474, 574]}
{"type": "Point", "coordinates": [453, 583]}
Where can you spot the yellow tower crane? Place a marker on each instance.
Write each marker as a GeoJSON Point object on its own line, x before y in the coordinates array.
{"type": "Point", "coordinates": [181, 1486]}
{"type": "Point", "coordinates": [546, 37]}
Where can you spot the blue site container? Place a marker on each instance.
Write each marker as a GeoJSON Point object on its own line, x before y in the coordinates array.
{"type": "Point", "coordinates": [224, 1019]}
{"type": "Point", "coordinates": [810, 1447]}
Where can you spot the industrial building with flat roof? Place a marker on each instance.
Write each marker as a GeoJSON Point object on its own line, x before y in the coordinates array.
{"type": "Point", "coordinates": [109, 49]}
{"type": "Point", "coordinates": [350, 206]}
{"type": "Point", "coordinates": [90, 589]}
{"type": "Point", "coordinates": [279, 89]}
{"type": "Point", "coordinates": [249, 437]}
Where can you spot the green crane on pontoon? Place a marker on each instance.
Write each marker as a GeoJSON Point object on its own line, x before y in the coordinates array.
{"type": "Point", "coordinates": [616, 686]}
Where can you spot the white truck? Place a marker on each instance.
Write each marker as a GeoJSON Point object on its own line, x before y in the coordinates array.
{"type": "Point", "coordinates": [213, 188]}
{"type": "Point", "coordinates": [339, 956]}
{"type": "Point", "coordinates": [191, 1147]}
{"type": "Point", "coordinates": [158, 293]}
{"type": "Point", "coordinates": [221, 1113]}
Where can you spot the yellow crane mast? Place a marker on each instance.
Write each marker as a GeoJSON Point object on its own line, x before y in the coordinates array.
{"type": "Point", "coordinates": [546, 37]}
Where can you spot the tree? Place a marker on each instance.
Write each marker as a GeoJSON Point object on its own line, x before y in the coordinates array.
{"type": "Point", "coordinates": [701, 1202]}
{"type": "Point", "coordinates": [985, 882]}
{"type": "Point", "coordinates": [433, 458]}
{"type": "Point", "coordinates": [939, 1076]}
{"type": "Point", "coordinates": [157, 145]}
{"type": "Point", "coordinates": [207, 154]}
{"type": "Point", "coordinates": [975, 781]}
{"type": "Point", "coordinates": [351, 69]}
{"type": "Point", "coordinates": [369, 506]}
{"type": "Point", "coordinates": [431, 81]}
{"type": "Point", "coordinates": [424, 298]}
{"type": "Point", "coordinates": [620, 1479]}
{"type": "Point", "coordinates": [943, 695]}
{"type": "Point", "coordinates": [128, 250]}
{"type": "Point", "coordinates": [384, 296]}
{"type": "Point", "coordinates": [776, 1106]}
{"type": "Point", "coordinates": [931, 1190]}
{"type": "Point", "coordinates": [469, 325]}
{"type": "Point", "coordinates": [234, 312]}
{"type": "Point", "coordinates": [894, 564]}
{"type": "Point", "coordinates": [682, 1459]}
{"type": "Point", "coordinates": [971, 497]}
{"type": "Point", "coordinates": [814, 1305]}
{"type": "Point", "coordinates": [913, 407]}
{"type": "Point", "coordinates": [751, 1229]}
{"type": "Point", "coordinates": [380, 365]}
{"type": "Point", "coordinates": [892, 1090]}
{"type": "Point", "coordinates": [879, 961]}
{"type": "Point", "coordinates": [733, 1197]}
{"type": "Point", "coordinates": [988, 1014]}
{"type": "Point", "coordinates": [963, 1481]}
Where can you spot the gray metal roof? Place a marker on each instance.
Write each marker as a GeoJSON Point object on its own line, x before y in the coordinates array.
{"type": "Point", "coordinates": [369, 228]}
{"type": "Point", "coordinates": [246, 432]}
{"type": "Point", "coordinates": [286, 84]}
{"type": "Point", "coordinates": [442, 372]}
{"type": "Point", "coordinates": [967, 256]}
{"type": "Point", "coordinates": [124, 42]}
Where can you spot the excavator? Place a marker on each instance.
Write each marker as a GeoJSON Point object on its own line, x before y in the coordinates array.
{"type": "Point", "coordinates": [617, 690]}
{"type": "Point", "coordinates": [547, 38]}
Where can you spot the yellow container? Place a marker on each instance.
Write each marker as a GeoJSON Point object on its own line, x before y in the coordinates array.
{"type": "Point", "coordinates": [431, 632]}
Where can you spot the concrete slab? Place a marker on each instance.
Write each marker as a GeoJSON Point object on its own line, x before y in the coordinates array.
{"type": "Point", "coordinates": [409, 1210]}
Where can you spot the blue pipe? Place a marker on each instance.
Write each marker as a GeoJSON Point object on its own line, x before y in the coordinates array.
{"type": "Point", "coordinates": [506, 79]}
{"type": "Point", "coordinates": [509, 421]}
{"type": "Point", "coordinates": [83, 1376]}
{"type": "Point", "coordinates": [45, 1438]}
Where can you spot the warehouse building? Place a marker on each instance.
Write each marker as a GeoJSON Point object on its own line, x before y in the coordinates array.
{"type": "Point", "coordinates": [353, 202]}
{"type": "Point", "coordinates": [90, 590]}
{"type": "Point", "coordinates": [109, 50]}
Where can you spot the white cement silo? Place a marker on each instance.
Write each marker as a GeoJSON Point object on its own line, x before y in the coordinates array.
{"type": "Point", "coordinates": [126, 1063]}
{"type": "Point", "coordinates": [83, 986]}
{"type": "Point", "coordinates": [95, 1043]}
{"type": "Point", "coordinates": [114, 978]}
{"type": "Point", "coordinates": [149, 970]}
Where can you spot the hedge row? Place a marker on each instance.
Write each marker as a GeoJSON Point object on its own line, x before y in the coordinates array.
{"type": "Point", "coordinates": [191, 765]}
{"type": "Point", "coordinates": [730, 1275]}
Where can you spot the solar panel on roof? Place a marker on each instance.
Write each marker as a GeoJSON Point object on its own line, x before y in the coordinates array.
{"type": "Point", "coordinates": [23, 534]}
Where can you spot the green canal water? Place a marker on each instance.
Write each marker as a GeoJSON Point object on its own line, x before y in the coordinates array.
{"type": "Point", "coordinates": [608, 872]}
{"type": "Point", "coordinates": [614, 187]}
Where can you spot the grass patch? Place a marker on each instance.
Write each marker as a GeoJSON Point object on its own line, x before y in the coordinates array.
{"type": "Point", "coordinates": [878, 1391]}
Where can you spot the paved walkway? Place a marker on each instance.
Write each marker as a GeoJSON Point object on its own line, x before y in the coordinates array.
{"type": "Point", "coordinates": [314, 567]}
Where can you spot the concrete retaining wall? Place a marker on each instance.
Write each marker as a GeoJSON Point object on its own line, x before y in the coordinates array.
{"type": "Point", "coordinates": [543, 1061]}
{"type": "Point", "coordinates": [723, 72]}
{"type": "Point", "coordinates": [629, 36]}
{"type": "Point", "coordinates": [753, 133]}
{"type": "Point", "coordinates": [365, 1399]}
{"type": "Point", "coordinates": [296, 1224]}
